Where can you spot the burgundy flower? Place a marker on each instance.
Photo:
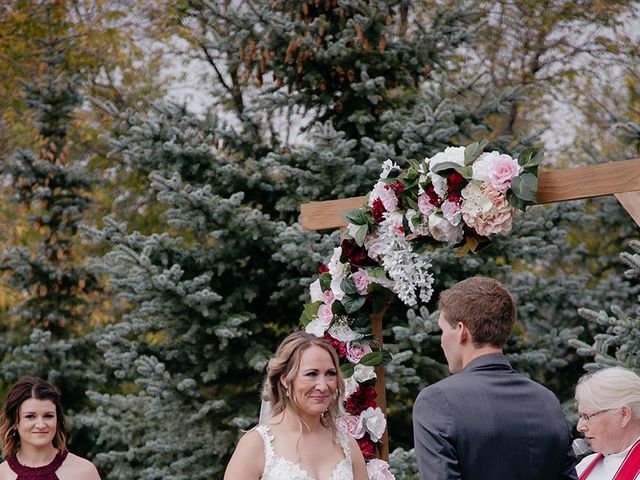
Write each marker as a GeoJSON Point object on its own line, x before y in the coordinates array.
{"type": "Point", "coordinates": [362, 398]}
{"type": "Point", "coordinates": [323, 268]}
{"type": "Point", "coordinates": [397, 187]}
{"type": "Point", "coordinates": [434, 199]}
{"type": "Point", "coordinates": [377, 209]}
{"type": "Point", "coordinates": [367, 447]}
{"type": "Point", "coordinates": [455, 184]}
{"type": "Point", "coordinates": [341, 347]}
{"type": "Point", "coordinates": [356, 255]}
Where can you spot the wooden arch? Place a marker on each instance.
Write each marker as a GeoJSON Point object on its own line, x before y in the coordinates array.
{"type": "Point", "coordinates": [621, 179]}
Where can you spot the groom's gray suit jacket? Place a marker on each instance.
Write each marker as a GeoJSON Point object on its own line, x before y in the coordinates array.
{"type": "Point", "coordinates": [488, 422]}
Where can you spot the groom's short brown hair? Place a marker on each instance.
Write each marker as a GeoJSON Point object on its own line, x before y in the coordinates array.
{"type": "Point", "coordinates": [484, 306]}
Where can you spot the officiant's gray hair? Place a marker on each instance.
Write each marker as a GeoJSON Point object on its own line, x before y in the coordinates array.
{"type": "Point", "coordinates": [609, 388]}
{"type": "Point", "coordinates": [286, 364]}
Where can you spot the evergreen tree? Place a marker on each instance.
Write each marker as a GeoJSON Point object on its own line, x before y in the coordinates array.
{"type": "Point", "coordinates": [210, 296]}
{"type": "Point", "coordinates": [45, 334]}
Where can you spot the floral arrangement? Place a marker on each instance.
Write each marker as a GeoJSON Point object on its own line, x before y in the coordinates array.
{"type": "Point", "coordinates": [459, 198]}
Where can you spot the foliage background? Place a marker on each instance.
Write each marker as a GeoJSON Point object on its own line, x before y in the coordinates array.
{"type": "Point", "coordinates": [191, 229]}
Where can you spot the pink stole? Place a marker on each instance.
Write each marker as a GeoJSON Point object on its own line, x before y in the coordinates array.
{"type": "Point", "coordinates": [628, 470]}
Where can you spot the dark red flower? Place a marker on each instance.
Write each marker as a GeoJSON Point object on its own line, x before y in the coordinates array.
{"type": "Point", "coordinates": [341, 347]}
{"type": "Point", "coordinates": [434, 199]}
{"type": "Point", "coordinates": [323, 268]}
{"type": "Point", "coordinates": [456, 180]}
{"type": "Point", "coordinates": [367, 447]}
{"type": "Point", "coordinates": [397, 187]}
{"type": "Point", "coordinates": [377, 209]}
{"type": "Point", "coordinates": [455, 184]}
{"type": "Point", "coordinates": [362, 398]}
{"type": "Point", "coordinates": [356, 255]}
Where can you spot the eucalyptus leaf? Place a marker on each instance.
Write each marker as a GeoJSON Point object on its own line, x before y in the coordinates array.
{"type": "Point", "coordinates": [525, 186]}
{"type": "Point", "coordinates": [357, 216]}
{"type": "Point", "coordinates": [361, 234]}
{"type": "Point", "coordinates": [515, 201]}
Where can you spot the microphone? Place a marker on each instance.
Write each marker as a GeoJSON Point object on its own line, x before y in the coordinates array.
{"type": "Point", "coordinates": [580, 446]}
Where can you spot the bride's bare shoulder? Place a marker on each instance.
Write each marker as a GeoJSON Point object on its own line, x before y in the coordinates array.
{"type": "Point", "coordinates": [6, 473]}
{"type": "Point", "coordinates": [77, 467]}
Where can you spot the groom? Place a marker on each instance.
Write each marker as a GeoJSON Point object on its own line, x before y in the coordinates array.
{"type": "Point", "coordinates": [487, 422]}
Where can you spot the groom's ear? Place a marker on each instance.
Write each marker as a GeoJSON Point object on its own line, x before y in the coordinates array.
{"type": "Point", "coordinates": [463, 333]}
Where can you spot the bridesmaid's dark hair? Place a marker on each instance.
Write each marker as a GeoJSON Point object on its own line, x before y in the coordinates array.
{"type": "Point", "coordinates": [24, 389]}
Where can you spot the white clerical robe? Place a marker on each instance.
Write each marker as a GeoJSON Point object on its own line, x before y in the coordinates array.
{"type": "Point", "coordinates": [606, 468]}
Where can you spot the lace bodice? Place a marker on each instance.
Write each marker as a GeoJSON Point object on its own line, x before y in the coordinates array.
{"type": "Point", "coordinates": [278, 468]}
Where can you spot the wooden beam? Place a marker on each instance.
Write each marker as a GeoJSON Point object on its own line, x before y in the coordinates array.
{"type": "Point", "coordinates": [590, 181]}
{"type": "Point", "coordinates": [553, 186]}
{"type": "Point", "coordinates": [631, 203]}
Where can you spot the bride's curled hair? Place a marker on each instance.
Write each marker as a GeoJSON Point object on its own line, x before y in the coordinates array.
{"type": "Point", "coordinates": [286, 364]}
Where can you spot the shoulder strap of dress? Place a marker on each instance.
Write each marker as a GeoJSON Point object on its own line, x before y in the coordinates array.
{"type": "Point", "coordinates": [263, 430]}
{"type": "Point", "coordinates": [343, 438]}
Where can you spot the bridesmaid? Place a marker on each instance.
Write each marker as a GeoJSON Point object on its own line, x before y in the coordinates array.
{"type": "Point", "coordinates": [33, 435]}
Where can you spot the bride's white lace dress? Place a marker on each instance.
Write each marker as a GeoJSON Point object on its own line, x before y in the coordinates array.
{"type": "Point", "coordinates": [278, 468]}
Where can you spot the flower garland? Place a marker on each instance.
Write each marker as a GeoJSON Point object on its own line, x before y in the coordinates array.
{"type": "Point", "coordinates": [459, 197]}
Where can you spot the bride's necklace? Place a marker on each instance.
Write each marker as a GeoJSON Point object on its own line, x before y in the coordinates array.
{"type": "Point", "coordinates": [31, 464]}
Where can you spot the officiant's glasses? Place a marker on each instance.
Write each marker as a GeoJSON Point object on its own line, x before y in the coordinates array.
{"type": "Point", "coordinates": [586, 417]}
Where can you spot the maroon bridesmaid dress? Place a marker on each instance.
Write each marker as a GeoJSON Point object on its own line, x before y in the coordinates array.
{"type": "Point", "coordinates": [46, 472]}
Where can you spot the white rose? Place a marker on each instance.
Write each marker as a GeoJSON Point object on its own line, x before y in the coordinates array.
{"type": "Point", "coordinates": [316, 292]}
{"type": "Point", "coordinates": [450, 154]}
{"type": "Point", "coordinates": [387, 166]}
{"type": "Point", "coordinates": [350, 385]}
{"type": "Point", "coordinates": [315, 327]}
{"type": "Point", "coordinates": [362, 373]}
{"type": "Point", "coordinates": [374, 422]}
{"type": "Point", "coordinates": [443, 231]}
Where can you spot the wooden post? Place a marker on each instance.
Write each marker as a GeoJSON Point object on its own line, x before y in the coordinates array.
{"type": "Point", "coordinates": [381, 391]}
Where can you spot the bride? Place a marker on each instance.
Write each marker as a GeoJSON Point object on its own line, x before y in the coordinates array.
{"type": "Point", "coordinates": [301, 441]}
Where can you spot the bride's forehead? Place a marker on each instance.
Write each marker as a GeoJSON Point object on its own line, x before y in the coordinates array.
{"type": "Point", "coordinates": [315, 355]}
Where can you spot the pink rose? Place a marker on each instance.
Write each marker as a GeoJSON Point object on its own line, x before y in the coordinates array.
{"type": "Point", "coordinates": [352, 425]}
{"type": "Point", "coordinates": [356, 352]}
{"type": "Point", "coordinates": [329, 297]}
{"type": "Point", "coordinates": [450, 210]}
{"type": "Point", "coordinates": [325, 315]}
{"type": "Point", "coordinates": [362, 281]}
{"type": "Point", "coordinates": [424, 205]}
{"type": "Point", "coordinates": [379, 470]}
{"type": "Point", "coordinates": [498, 169]}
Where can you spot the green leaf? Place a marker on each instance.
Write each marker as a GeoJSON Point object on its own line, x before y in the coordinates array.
{"type": "Point", "coordinates": [372, 359]}
{"type": "Point", "coordinates": [357, 216]}
{"type": "Point", "coordinates": [347, 369]}
{"type": "Point", "coordinates": [309, 313]}
{"type": "Point", "coordinates": [473, 151]}
{"type": "Point", "coordinates": [352, 303]}
{"type": "Point", "coordinates": [325, 281]}
{"type": "Point", "coordinates": [525, 156]}
{"type": "Point", "coordinates": [443, 167]}
{"type": "Point", "coordinates": [386, 357]}
{"type": "Point", "coordinates": [516, 202]}
{"type": "Point", "coordinates": [525, 186]}
{"type": "Point", "coordinates": [361, 234]}
{"type": "Point", "coordinates": [348, 286]}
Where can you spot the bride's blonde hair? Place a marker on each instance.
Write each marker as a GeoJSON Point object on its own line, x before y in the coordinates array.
{"type": "Point", "coordinates": [286, 364]}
